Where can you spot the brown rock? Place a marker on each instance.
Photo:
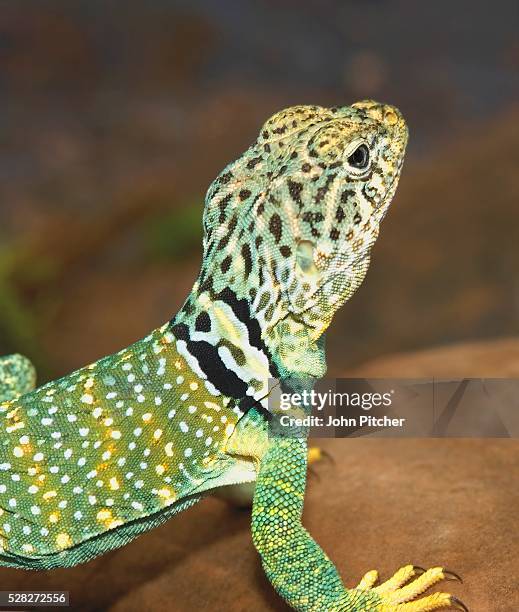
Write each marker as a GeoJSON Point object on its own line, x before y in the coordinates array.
{"type": "Point", "coordinates": [499, 358]}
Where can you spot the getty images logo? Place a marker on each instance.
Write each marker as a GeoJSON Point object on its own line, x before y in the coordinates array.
{"type": "Point", "coordinates": [321, 400]}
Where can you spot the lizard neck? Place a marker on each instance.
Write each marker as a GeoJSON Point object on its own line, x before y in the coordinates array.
{"type": "Point", "coordinates": [230, 339]}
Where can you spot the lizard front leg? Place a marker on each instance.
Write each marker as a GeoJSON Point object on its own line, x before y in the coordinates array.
{"type": "Point", "coordinates": [299, 569]}
{"type": "Point", "coordinates": [295, 564]}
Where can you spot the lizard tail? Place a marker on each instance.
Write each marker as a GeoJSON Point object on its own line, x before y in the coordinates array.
{"type": "Point", "coordinates": [17, 376]}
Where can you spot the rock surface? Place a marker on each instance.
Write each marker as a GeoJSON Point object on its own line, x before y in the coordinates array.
{"type": "Point", "coordinates": [498, 358]}
{"type": "Point", "coordinates": [382, 504]}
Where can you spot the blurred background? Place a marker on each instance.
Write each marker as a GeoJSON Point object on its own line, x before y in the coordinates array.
{"type": "Point", "coordinates": [115, 117]}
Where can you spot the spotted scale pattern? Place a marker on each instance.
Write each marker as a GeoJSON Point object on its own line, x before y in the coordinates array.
{"type": "Point", "coordinates": [112, 443]}
{"type": "Point", "coordinates": [17, 376]}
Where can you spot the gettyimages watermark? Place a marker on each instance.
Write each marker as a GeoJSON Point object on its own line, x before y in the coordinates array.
{"type": "Point", "coordinates": [387, 407]}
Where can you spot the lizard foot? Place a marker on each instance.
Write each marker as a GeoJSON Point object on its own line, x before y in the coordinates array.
{"type": "Point", "coordinates": [397, 593]}
{"type": "Point", "coordinates": [316, 455]}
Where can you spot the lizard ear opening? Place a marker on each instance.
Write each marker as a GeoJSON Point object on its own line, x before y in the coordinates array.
{"type": "Point", "coordinates": [305, 258]}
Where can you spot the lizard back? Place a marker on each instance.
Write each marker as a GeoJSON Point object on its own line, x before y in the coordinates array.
{"type": "Point", "coordinates": [129, 440]}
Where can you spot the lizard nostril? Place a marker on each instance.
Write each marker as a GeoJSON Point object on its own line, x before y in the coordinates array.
{"type": "Point", "coordinates": [390, 117]}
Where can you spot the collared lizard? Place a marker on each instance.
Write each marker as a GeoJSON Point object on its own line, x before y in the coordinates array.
{"type": "Point", "coordinates": [90, 461]}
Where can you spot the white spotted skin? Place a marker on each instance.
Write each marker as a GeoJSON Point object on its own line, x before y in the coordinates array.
{"type": "Point", "coordinates": [104, 447]}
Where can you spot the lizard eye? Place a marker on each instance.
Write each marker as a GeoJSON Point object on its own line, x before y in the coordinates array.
{"type": "Point", "coordinates": [359, 158]}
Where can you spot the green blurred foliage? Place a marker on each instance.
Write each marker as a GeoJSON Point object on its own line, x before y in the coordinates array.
{"type": "Point", "coordinates": [175, 234]}
{"type": "Point", "coordinates": [20, 319]}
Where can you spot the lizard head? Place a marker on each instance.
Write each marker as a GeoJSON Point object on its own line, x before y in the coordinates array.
{"type": "Point", "coordinates": [288, 227]}
{"type": "Point", "coordinates": [341, 175]}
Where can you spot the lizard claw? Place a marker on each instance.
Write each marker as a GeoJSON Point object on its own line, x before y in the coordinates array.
{"type": "Point", "coordinates": [448, 575]}
{"type": "Point", "coordinates": [458, 604]}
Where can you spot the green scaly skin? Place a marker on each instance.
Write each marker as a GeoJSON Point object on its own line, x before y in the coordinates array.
{"type": "Point", "coordinates": [17, 376]}
{"type": "Point", "coordinates": [90, 461]}
{"type": "Point", "coordinates": [296, 566]}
